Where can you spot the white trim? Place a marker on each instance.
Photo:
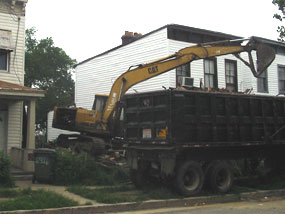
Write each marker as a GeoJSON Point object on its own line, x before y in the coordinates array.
{"type": "Point", "coordinates": [21, 94]}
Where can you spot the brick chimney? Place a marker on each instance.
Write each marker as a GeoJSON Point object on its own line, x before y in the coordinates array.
{"type": "Point", "coordinates": [129, 37]}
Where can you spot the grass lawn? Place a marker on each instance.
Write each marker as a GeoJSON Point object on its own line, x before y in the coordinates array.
{"type": "Point", "coordinates": [128, 193]}
{"type": "Point", "coordinates": [123, 193]}
{"type": "Point", "coordinates": [27, 199]}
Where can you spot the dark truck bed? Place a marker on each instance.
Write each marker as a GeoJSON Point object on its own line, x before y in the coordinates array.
{"type": "Point", "coordinates": [197, 118]}
{"type": "Point", "coordinates": [167, 128]}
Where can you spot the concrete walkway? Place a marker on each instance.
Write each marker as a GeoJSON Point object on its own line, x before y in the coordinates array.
{"type": "Point", "coordinates": [58, 189]}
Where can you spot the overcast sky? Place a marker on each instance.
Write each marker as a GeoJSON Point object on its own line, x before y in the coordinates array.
{"type": "Point", "coordinates": [89, 27]}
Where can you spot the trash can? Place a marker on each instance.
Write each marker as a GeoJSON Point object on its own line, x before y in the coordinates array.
{"type": "Point", "coordinates": [44, 161]}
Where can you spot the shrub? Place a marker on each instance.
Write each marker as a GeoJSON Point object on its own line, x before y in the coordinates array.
{"type": "Point", "coordinates": [5, 177]}
{"type": "Point", "coordinates": [70, 169]}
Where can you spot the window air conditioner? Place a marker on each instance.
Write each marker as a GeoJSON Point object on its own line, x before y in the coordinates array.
{"type": "Point", "coordinates": [187, 82]}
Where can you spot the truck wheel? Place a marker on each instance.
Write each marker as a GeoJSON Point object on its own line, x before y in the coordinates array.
{"type": "Point", "coordinates": [221, 177]}
{"type": "Point", "coordinates": [190, 178]}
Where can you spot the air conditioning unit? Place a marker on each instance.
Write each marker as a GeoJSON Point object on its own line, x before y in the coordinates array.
{"type": "Point", "coordinates": [187, 82]}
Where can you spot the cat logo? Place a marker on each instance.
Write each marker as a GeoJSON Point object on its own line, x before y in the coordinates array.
{"type": "Point", "coordinates": [152, 70]}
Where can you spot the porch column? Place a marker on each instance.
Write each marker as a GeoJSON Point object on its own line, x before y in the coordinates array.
{"type": "Point", "coordinates": [27, 163]}
{"type": "Point", "coordinates": [31, 124]}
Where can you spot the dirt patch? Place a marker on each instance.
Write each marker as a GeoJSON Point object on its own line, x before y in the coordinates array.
{"type": "Point", "coordinates": [5, 199]}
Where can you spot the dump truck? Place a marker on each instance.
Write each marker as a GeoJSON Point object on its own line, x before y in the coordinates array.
{"type": "Point", "coordinates": [102, 128]}
{"type": "Point", "coordinates": [191, 137]}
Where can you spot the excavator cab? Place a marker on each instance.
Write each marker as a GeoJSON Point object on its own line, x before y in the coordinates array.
{"type": "Point", "coordinates": [80, 119]}
{"type": "Point", "coordinates": [99, 102]}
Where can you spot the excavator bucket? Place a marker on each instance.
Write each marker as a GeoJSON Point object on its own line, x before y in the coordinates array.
{"type": "Point", "coordinates": [265, 56]}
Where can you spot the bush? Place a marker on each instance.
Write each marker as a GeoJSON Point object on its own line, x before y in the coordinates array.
{"type": "Point", "coordinates": [5, 176]}
{"type": "Point", "coordinates": [41, 141]}
{"type": "Point", "coordinates": [70, 169]}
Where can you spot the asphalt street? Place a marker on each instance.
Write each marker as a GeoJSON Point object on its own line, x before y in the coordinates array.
{"type": "Point", "coordinates": [246, 207]}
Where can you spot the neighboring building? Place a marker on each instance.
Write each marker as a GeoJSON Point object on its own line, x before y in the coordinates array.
{"type": "Point", "coordinates": [97, 74]}
{"type": "Point", "coordinates": [17, 129]}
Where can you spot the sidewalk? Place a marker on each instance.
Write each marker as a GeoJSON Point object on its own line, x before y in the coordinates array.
{"type": "Point", "coordinates": [58, 189]}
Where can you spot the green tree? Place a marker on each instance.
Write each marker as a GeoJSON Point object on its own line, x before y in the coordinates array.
{"type": "Point", "coordinates": [48, 68]}
{"type": "Point", "coordinates": [280, 15]}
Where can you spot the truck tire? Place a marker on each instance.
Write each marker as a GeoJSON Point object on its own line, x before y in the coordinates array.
{"type": "Point", "coordinates": [190, 178]}
{"type": "Point", "coordinates": [220, 177]}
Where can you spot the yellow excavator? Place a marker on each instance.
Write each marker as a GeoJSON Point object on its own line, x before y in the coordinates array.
{"type": "Point", "coordinates": [102, 123]}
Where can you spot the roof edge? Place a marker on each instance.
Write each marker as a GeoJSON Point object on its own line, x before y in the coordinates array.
{"type": "Point", "coordinates": [273, 42]}
{"type": "Point", "coordinates": [117, 47]}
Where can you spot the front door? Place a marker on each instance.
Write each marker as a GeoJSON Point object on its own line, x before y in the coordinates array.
{"type": "Point", "coordinates": [3, 130]}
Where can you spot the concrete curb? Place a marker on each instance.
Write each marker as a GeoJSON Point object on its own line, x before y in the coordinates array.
{"type": "Point", "coordinates": [192, 201]}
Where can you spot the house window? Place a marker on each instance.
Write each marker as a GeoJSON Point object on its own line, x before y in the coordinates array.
{"type": "Point", "coordinates": [4, 59]}
{"type": "Point", "coordinates": [262, 82]}
{"type": "Point", "coordinates": [281, 76]}
{"type": "Point", "coordinates": [231, 75]}
{"type": "Point", "coordinates": [182, 71]}
{"type": "Point", "coordinates": [210, 73]}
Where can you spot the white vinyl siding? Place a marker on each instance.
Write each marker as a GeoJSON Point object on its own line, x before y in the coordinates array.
{"type": "Point", "coordinates": [272, 73]}
{"type": "Point", "coordinates": [97, 75]}
{"type": "Point", "coordinates": [272, 76]}
{"type": "Point", "coordinates": [17, 56]}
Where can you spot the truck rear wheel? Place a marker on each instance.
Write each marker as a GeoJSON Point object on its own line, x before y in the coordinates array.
{"type": "Point", "coordinates": [220, 177]}
{"type": "Point", "coordinates": [190, 178]}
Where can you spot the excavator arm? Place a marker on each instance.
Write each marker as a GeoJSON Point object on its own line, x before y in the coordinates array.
{"type": "Point", "coordinates": [265, 55]}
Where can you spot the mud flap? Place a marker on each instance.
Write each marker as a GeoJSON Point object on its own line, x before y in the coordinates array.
{"type": "Point", "coordinates": [167, 162]}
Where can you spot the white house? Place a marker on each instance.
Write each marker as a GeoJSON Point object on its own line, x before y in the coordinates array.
{"type": "Point", "coordinates": [97, 74]}
{"type": "Point", "coordinates": [17, 129]}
